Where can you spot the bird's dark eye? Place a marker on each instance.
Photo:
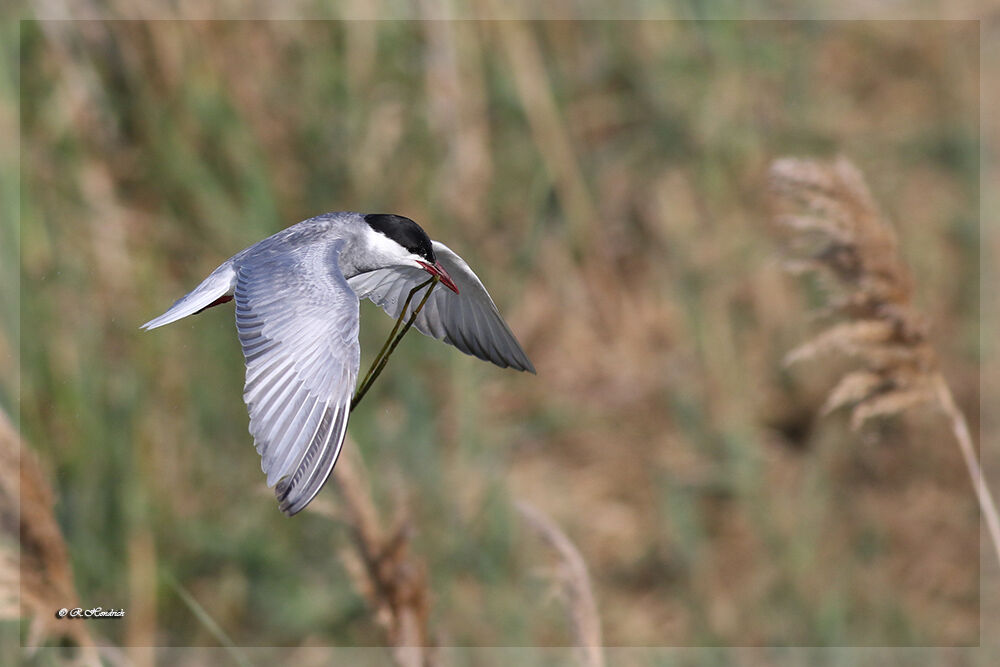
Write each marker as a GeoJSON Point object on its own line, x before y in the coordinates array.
{"type": "Point", "coordinates": [424, 250]}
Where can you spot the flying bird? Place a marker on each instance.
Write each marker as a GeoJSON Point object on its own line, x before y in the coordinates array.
{"type": "Point", "coordinates": [298, 296]}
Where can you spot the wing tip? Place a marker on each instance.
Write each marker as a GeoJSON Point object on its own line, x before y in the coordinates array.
{"type": "Point", "coordinates": [290, 503]}
{"type": "Point", "coordinates": [166, 318]}
{"type": "Point", "coordinates": [519, 362]}
{"type": "Point", "coordinates": [518, 359]}
{"type": "Point", "coordinates": [294, 493]}
{"type": "Point", "coordinates": [285, 505]}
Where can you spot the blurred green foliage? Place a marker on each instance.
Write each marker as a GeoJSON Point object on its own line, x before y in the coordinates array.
{"type": "Point", "coordinates": [661, 432]}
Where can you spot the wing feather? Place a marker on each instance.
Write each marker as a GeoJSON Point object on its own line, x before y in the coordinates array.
{"type": "Point", "coordinates": [297, 320]}
{"type": "Point", "coordinates": [468, 320]}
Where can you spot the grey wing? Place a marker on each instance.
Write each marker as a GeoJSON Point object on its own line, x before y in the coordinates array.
{"type": "Point", "coordinates": [297, 320]}
{"type": "Point", "coordinates": [468, 320]}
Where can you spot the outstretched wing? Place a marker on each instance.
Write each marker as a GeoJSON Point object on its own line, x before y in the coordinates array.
{"type": "Point", "coordinates": [468, 320]}
{"type": "Point", "coordinates": [297, 320]}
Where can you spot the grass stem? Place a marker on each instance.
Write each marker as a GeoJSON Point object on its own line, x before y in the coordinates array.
{"type": "Point", "coordinates": [960, 428]}
{"type": "Point", "coordinates": [210, 624]}
{"type": "Point", "coordinates": [382, 358]}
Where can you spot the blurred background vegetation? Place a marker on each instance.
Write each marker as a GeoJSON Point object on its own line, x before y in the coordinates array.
{"type": "Point", "coordinates": [607, 182]}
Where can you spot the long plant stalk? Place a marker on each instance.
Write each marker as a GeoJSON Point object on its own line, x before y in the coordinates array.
{"type": "Point", "coordinates": [392, 340]}
{"type": "Point", "coordinates": [382, 566]}
{"type": "Point", "coordinates": [577, 591]}
{"type": "Point", "coordinates": [395, 328]}
{"type": "Point", "coordinates": [960, 428]}
{"type": "Point", "coordinates": [208, 622]}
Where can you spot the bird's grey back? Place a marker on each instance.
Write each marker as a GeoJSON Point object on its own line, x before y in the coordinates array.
{"type": "Point", "coordinates": [326, 228]}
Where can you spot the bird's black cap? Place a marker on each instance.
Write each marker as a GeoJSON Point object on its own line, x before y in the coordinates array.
{"type": "Point", "coordinates": [403, 231]}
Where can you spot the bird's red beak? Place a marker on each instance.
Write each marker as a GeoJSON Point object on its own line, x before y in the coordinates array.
{"type": "Point", "coordinates": [437, 270]}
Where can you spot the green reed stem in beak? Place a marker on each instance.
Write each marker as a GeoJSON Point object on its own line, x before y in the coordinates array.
{"type": "Point", "coordinates": [382, 358]}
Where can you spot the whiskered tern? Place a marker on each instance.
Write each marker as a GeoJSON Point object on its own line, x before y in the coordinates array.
{"type": "Point", "coordinates": [297, 299]}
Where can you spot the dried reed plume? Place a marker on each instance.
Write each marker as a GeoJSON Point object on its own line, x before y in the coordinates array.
{"type": "Point", "coordinates": [836, 231]}
{"type": "Point", "coordinates": [391, 579]}
{"type": "Point", "coordinates": [575, 586]}
{"type": "Point", "coordinates": [46, 581]}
